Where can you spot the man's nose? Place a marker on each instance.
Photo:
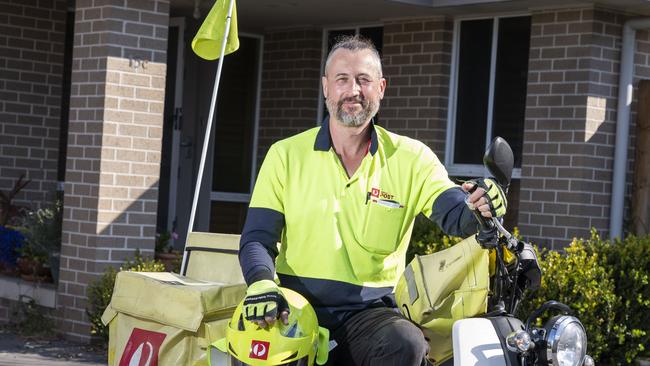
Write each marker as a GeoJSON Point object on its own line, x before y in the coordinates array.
{"type": "Point", "coordinates": [355, 87]}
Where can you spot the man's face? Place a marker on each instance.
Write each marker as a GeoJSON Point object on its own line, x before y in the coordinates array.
{"type": "Point", "coordinates": [352, 87]}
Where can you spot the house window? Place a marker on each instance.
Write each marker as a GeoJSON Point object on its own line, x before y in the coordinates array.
{"type": "Point", "coordinates": [236, 120]}
{"type": "Point", "coordinates": [488, 91]}
{"type": "Point", "coordinates": [330, 36]}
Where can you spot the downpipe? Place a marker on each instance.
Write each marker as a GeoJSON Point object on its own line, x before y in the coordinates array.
{"type": "Point", "coordinates": [625, 89]}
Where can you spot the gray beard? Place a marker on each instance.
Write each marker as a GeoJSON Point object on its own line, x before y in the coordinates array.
{"type": "Point", "coordinates": [369, 109]}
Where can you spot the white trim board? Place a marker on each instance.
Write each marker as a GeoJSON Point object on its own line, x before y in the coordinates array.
{"type": "Point", "coordinates": [13, 288]}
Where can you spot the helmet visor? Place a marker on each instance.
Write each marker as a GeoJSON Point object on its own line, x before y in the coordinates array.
{"type": "Point", "coordinates": [301, 362]}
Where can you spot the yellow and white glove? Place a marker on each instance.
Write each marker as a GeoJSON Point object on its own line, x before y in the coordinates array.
{"type": "Point", "coordinates": [494, 195]}
{"type": "Point", "coordinates": [264, 302]}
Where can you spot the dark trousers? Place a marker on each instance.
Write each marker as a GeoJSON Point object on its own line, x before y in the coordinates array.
{"type": "Point", "coordinates": [378, 337]}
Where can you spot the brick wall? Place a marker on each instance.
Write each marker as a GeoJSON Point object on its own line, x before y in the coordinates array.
{"type": "Point", "coordinates": [32, 34]}
{"type": "Point", "coordinates": [115, 131]}
{"type": "Point", "coordinates": [417, 58]}
{"type": "Point", "coordinates": [570, 124]}
{"type": "Point", "coordinates": [290, 85]}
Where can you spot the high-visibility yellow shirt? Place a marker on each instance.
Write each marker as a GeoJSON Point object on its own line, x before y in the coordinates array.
{"type": "Point", "coordinates": [344, 239]}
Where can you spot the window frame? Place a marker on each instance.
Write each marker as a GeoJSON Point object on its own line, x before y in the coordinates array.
{"type": "Point", "coordinates": [472, 170]}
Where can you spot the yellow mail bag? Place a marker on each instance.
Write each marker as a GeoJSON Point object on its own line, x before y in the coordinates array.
{"type": "Point", "coordinates": [440, 288]}
{"type": "Point", "coordinates": [158, 318]}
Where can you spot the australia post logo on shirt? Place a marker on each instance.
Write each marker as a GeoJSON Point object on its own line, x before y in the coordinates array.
{"type": "Point", "coordinates": [383, 198]}
{"type": "Point", "coordinates": [142, 348]}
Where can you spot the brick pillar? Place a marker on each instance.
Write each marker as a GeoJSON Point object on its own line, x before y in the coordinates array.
{"type": "Point", "coordinates": [290, 85]}
{"type": "Point", "coordinates": [570, 124]}
{"type": "Point", "coordinates": [32, 37]}
{"type": "Point", "coordinates": [116, 116]}
{"type": "Point", "coordinates": [417, 59]}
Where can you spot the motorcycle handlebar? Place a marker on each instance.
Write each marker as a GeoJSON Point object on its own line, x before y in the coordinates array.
{"type": "Point", "coordinates": [486, 224]}
{"type": "Point", "coordinates": [487, 235]}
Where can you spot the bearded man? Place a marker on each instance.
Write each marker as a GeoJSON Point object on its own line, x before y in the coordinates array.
{"type": "Point", "coordinates": [341, 199]}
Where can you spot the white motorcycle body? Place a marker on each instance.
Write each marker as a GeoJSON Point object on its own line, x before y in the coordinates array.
{"type": "Point", "coordinates": [476, 343]}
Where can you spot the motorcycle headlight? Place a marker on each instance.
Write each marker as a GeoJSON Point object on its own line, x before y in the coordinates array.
{"type": "Point", "coordinates": [566, 341]}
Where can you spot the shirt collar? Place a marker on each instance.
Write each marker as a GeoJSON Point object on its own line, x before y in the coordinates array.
{"type": "Point", "coordinates": [324, 140]}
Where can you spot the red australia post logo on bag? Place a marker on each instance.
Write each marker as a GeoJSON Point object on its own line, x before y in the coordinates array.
{"type": "Point", "coordinates": [142, 348]}
{"type": "Point", "coordinates": [259, 350]}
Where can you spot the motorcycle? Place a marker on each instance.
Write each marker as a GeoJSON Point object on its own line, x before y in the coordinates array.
{"type": "Point", "coordinates": [494, 337]}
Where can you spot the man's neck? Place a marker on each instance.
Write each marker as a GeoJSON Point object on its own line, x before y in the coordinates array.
{"type": "Point", "coordinates": [350, 141]}
{"type": "Point", "coordinates": [351, 144]}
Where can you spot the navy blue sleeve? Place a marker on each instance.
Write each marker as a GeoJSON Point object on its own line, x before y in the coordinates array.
{"type": "Point", "coordinates": [452, 214]}
{"type": "Point", "coordinates": [258, 243]}
{"type": "Point", "coordinates": [256, 263]}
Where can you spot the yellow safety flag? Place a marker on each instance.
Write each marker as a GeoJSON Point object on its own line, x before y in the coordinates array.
{"type": "Point", "coordinates": [207, 41]}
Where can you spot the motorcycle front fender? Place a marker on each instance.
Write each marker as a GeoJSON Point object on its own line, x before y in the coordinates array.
{"type": "Point", "coordinates": [481, 341]}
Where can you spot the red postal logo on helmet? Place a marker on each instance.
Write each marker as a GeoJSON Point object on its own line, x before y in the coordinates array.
{"type": "Point", "coordinates": [142, 348]}
{"type": "Point", "coordinates": [259, 350]}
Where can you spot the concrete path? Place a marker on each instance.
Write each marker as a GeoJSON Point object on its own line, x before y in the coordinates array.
{"type": "Point", "coordinates": [14, 359]}
{"type": "Point", "coordinates": [15, 350]}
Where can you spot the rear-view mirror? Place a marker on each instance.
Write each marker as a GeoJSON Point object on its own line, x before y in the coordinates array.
{"type": "Point", "coordinates": [499, 160]}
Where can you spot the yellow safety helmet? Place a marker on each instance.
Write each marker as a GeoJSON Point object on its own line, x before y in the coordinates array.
{"type": "Point", "coordinates": [300, 343]}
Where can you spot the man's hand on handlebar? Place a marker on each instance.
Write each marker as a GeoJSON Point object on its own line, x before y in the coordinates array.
{"type": "Point", "coordinates": [487, 196]}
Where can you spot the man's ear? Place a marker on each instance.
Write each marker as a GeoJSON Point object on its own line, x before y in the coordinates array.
{"type": "Point", "coordinates": [323, 80]}
{"type": "Point", "coordinates": [382, 88]}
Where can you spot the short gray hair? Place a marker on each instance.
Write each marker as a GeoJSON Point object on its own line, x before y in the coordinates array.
{"type": "Point", "coordinates": [354, 43]}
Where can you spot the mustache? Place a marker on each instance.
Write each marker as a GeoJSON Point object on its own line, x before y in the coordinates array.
{"type": "Point", "coordinates": [360, 100]}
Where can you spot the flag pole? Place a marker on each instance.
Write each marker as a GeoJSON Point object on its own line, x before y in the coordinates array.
{"type": "Point", "coordinates": [206, 139]}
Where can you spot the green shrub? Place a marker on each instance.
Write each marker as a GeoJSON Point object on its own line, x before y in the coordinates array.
{"type": "Point", "coordinates": [28, 319]}
{"type": "Point", "coordinates": [100, 292]}
{"type": "Point", "coordinates": [577, 279]}
{"type": "Point", "coordinates": [607, 285]}
{"type": "Point", "coordinates": [42, 231]}
{"type": "Point", "coordinates": [628, 265]}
